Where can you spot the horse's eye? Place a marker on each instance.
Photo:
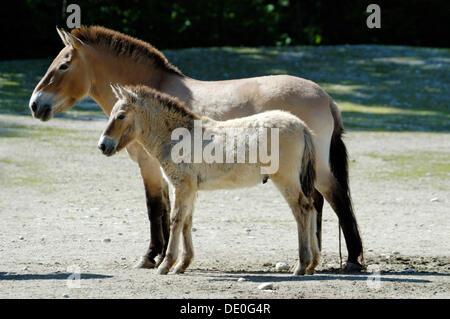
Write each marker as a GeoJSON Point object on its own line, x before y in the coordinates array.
{"type": "Point", "coordinates": [121, 117]}
{"type": "Point", "coordinates": [63, 67]}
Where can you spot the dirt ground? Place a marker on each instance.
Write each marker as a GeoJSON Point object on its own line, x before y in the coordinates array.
{"type": "Point", "coordinates": [66, 208]}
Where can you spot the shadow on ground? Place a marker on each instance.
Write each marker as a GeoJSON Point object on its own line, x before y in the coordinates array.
{"type": "Point", "coordinates": [50, 276]}
{"type": "Point", "coordinates": [260, 277]}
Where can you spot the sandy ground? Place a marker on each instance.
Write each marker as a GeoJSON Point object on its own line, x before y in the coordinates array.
{"type": "Point", "coordinates": [65, 209]}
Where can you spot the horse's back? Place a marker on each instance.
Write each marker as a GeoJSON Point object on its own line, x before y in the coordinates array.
{"type": "Point", "coordinates": [229, 99]}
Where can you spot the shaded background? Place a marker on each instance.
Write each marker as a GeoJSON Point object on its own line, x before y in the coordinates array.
{"type": "Point", "coordinates": [28, 26]}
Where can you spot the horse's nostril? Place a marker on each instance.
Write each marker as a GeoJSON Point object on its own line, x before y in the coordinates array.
{"type": "Point", "coordinates": [34, 107]}
{"type": "Point", "coordinates": [102, 147]}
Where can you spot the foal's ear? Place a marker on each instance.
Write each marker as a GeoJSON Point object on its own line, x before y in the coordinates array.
{"type": "Point", "coordinates": [126, 93]}
{"type": "Point", "coordinates": [116, 91]}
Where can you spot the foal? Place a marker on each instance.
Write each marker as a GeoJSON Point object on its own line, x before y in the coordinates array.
{"type": "Point", "coordinates": [151, 118]}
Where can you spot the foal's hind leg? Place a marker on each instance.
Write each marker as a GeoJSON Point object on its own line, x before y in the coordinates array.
{"type": "Point", "coordinates": [303, 215]}
{"type": "Point", "coordinates": [301, 209]}
{"type": "Point", "coordinates": [314, 244]}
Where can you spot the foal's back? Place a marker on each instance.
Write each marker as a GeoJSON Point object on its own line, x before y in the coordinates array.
{"type": "Point", "coordinates": [246, 132]}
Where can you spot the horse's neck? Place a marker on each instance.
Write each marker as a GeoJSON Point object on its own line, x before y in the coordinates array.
{"type": "Point", "coordinates": [108, 69]}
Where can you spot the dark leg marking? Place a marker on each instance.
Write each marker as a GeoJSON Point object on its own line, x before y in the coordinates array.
{"type": "Point", "coordinates": [342, 206]}
{"type": "Point", "coordinates": [155, 208]}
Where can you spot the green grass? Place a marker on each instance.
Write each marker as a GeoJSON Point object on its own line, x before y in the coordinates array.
{"type": "Point", "coordinates": [8, 129]}
{"type": "Point", "coordinates": [414, 165]}
{"type": "Point", "coordinates": [20, 173]}
{"type": "Point", "coordinates": [379, 88]}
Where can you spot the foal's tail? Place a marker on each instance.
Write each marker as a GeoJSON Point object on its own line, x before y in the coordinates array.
{"type": "Point", "coordinates": [308, 173]}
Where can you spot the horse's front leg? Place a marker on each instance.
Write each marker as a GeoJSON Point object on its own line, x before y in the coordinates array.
{"type": "Point", "coordinates": [158, 206]}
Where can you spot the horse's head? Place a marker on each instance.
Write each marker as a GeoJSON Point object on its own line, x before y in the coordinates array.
{"type": "Point", "coordinates": [66, 81]}
{"type": "Point", "coordinates": [121, 127]}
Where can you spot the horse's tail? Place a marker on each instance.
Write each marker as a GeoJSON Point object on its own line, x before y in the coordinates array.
{"type": "Point", "coordinates": [338, 161]}
{"type": "Point", "coordinates": [338, 153]}
{"type": "Point", "coordinates": [308, 173]}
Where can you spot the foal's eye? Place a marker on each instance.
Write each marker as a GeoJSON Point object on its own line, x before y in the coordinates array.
{"type": "Point", "coordinates": [121, 117]}
{"type": "Point", "coordinates": [63, 67]}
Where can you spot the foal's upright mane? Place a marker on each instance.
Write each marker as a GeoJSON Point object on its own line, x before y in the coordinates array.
{"type": "Point", "coordinates": [123, 45]}
{"type": "Point", "coordinates": [164, 101]}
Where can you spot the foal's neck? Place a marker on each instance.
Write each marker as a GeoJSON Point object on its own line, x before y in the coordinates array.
{"type": "Point", "coordinates": [156, 123]}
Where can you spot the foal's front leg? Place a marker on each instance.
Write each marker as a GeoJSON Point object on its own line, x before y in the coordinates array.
{"type": "Point", "coordinates": [183, 201]}
{"type": "Point", "coordinates": [188, 247]}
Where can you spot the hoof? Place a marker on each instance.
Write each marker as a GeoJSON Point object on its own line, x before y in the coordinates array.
{"type": "Point", "coordinates": [310, 272]}
{"type": "Point", "coordinates": [158, 260]}
{"type": "Point", "coordinates": [162, 271]}
{"type": "Point", "coordinates": [178, 270]}
{"type": "Point", "coordinates": [145, 263]}
{"type": "Point", "coordinates": [352, 267]}
{"type": "Point", "coordinates": [299, 272]}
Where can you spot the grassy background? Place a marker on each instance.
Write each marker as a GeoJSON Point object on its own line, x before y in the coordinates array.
{"type": "Point", "coordinates": [379, 88]}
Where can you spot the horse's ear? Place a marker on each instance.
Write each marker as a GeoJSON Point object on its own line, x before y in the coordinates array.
{"type": "Point", "coordinates": [62, 36]}
{"type": "Point", "coordinates": [69, 39]}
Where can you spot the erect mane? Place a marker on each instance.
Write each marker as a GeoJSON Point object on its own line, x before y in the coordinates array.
{"type": "Point", "coordinates": [172, 104]}
{"type": "Point", "coordinates": [123, 45]}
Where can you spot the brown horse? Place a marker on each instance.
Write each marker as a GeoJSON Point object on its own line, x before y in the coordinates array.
{"type": "Point", "coordinates": [93, 57]}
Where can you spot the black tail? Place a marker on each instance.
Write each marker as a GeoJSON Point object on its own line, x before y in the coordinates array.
{"type": "Point", "coordinates": [339, 167]}
{"type": "Point", "coordinates": [308, 173]}
{"type": "Point", "coordinates": [338, 155]}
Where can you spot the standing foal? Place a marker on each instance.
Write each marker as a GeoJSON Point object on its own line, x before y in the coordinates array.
{"type": "Point", "coordinates": [144, 115]}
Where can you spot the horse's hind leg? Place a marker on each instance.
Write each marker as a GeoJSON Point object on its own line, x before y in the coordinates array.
{"type": "Point", "coordinates": [318, 205]}
{"type": "Point", "coordinates": [340, 201]}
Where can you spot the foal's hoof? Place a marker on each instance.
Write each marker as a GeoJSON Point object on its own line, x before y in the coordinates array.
{"type": "Point", "coordinates": [179, 270]}
{"type": "Point", "coordinates": [145, 263]}
{"type": "Point", "coordinates": [352, 267]}
{"type": "Point", "coordinates": [310, 272]}
{"type": "Point", "coordinates": [299, 272]}
{"type": "Point", "coordinates": [162, 271]}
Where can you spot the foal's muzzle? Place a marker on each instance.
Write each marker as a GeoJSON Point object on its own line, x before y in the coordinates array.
{"type": "Point", "coordinates": [107, 145]}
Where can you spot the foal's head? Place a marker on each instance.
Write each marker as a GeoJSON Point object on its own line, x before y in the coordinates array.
{"type": "Point", "coordinates": [122, 124]}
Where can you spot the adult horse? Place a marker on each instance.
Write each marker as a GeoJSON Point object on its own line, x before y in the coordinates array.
{"type": "Point", "coordinates": [93, 57]}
